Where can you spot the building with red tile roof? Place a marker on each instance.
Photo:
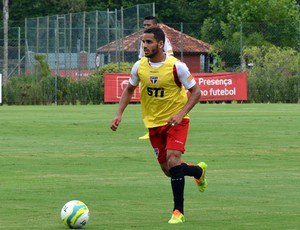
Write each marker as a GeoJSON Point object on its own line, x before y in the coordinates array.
{"type": "Point", "coordinates": [190, 50]}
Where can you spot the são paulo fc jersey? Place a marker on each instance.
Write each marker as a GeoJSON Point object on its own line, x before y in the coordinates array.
{"type": "Point", "coordinates": [162, 88]}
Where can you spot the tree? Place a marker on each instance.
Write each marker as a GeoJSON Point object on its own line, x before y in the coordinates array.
{"type": "Point", "coordinates": [186, 11]}
{"type": "Point", "coordinates": [277, 21]}
{"type": "Point", "coordinates": [182, 11]}
{"type": "Point", "coordinates": [273, 76]}
{"type": "Point", "coordinates": [272, 61]}
{"type": "Point", "coordinates": [21, 9]}
{"type": "Point", "coordinates": [251, 23]}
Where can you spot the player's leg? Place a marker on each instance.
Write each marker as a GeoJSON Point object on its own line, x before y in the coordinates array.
{"type": "Point", "coordinates": [171, 165]}
{"type": "Point", "coordinates": [198, 172]}
{"type": "Point", "coordinates": [202, 182]}
{"type": "Point", "coordinates": [158, 142]}
{"type": "Point", "coordinates": [176, 139]}
{"type": "Point", "coordinates": [165, 169]}
{"type": "Point", "coordinates": [177, 184]}
{"type": "Point", "coordinates": [191, 170]}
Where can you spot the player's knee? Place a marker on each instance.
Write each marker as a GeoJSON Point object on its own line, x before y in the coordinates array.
{"type": "Point", "coordinates": [165, 169]}
{"type": "Point", "coordinates": [173, 158]}
{"type": "Point", "coordinates": [167, 173]}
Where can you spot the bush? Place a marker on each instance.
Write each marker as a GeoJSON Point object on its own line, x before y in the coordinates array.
{"type": "Point", "coordinates": [22, 90]}
{"type": "Point", "coordinates": [280, 89]}
{"type": "Point", "coordinates": [274, 76]}
{"type": "Point", "coordinates": [43, 89]}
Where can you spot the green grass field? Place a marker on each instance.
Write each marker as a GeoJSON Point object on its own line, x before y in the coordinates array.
{"type": "Point", "coordinates": [52, 154]}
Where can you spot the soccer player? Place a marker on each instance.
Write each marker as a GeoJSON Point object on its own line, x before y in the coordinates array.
{"type": "Point", "coordinates": [165, 106]}
{"type": "Point", "coordinates": [151, 21]}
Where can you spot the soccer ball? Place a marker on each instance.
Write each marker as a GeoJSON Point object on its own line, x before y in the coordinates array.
{"type": "Point", "coordinates": [75, 214]}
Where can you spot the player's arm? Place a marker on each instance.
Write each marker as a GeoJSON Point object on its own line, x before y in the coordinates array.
{"type": "Point", "coordinates": [190, 84]}
{"type": "Point", "coordinates": [193, 99]}
{"type": "Point", "coordinates": [124, 101]}
{"type": "Point", "coordinates": [126, 96]}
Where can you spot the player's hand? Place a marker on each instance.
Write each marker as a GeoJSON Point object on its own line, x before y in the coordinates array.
{"type": "Point", "coordinates": [115, 123]}
{"type": "Point", "coordinates": [175, 120]}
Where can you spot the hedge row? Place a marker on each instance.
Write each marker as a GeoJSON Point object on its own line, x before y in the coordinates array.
{"type": "Point", "coordinates": [30, 90]}
{"type": "Point", "coordinates": [42, 89]}
{"type": "Point", "coordinates": [276, 90]}
{"type": "Point", "coordinates": [27, 90]}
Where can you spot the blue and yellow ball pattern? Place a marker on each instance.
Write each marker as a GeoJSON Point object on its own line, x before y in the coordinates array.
{"type": "Point", "coordinates": [75, 214]}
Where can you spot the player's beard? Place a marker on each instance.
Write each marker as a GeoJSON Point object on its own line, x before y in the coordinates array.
{"type": "Point", "coordinates": [153, 52]}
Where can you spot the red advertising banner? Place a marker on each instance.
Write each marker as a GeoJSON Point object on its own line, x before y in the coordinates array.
{"type": "Point", "coordinates": [114, 84]}
{"type": "Point", "coordinates": [225, 86]}
{"type": "Point", "coordinates": [228, 86]}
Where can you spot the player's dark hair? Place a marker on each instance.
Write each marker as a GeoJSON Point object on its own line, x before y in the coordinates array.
{"type": "Point", "coordinates": [154, 19]}
{"type": "Point", "coordinates": [159, 34]}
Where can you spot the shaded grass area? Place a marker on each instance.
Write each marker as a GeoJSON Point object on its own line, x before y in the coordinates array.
{"type": "Point", "coordinates": [52, 154]}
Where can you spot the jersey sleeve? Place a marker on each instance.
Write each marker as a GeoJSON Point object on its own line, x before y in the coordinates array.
{"type": "Point", "coordinates": [184, 75]}
{"type": "Point", "coordinates": [134, 78]}
{"type": "Point", "coordinates": [141, 51]}
{"type": "Point", "coordinates": [168, 47]}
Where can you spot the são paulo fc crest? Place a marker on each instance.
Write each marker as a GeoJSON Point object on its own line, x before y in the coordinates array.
{"type": "Point", "coordinates": [153, 79]}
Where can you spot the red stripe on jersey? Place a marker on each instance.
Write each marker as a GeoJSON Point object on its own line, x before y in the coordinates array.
{"type": "Point", "coordinates": [176, 79]}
